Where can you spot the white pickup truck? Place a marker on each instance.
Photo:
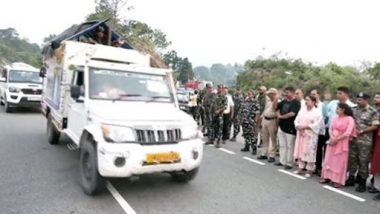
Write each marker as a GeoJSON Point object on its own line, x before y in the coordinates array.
{"type": "Point", "coordinates": [20, 86]}
{"type": "Point", "coordinates": [120, 112]}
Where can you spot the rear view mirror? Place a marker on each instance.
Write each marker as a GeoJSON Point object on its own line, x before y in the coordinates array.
{"type": "Point", "coordinates": [75, 92]}
{"type": "Point", "coordinates": [43, 72]}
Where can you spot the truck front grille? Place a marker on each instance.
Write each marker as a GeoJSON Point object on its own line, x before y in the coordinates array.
{"type": "Point", "coordinates": [150, 137]}
{"type": "Point", "coordinates": [31, 91]}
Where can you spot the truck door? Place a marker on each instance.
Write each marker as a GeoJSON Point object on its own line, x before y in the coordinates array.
{"type": "Point", "coordinates": [76, 111]}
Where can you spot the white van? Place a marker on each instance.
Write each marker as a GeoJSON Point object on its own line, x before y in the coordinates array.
{"type": "Point", "coordinates": [121, 113]}
{"type": "Point", "coordinates": [20, 86]}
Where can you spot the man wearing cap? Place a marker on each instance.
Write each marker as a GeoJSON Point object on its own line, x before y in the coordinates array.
{"type": "Point", "coordinates": [269, 127]}
{"type": "Point", "coordinates": [218, 106]}
{"type": "Point", "coordinates": [99, 37]}
{"type": "Point", "coordinates": [367, 121]}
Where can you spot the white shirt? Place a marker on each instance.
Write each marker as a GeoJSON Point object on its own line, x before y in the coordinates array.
{"type": "Point", "coordinates": [230, 103]}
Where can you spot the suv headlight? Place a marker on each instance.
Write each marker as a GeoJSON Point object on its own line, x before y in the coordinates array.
{"type": "Point", "coordinates": [118, 134]}
{"type": "Point", "coordinates": [189, 132]}
{"type": "Point", "coordinates": [13, 89]}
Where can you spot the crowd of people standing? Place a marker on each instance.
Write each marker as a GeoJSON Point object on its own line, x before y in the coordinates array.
{"type": "Point", "coordinates": [338, 140]}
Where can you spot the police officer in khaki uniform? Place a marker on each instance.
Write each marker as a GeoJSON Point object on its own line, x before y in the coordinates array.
{"type": "Point", "coordinates": [366, 120]}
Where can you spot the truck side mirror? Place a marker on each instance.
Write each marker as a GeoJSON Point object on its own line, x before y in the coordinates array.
{"type": "Point", "coordinates": [43, 72]}
{"type": "Point", "coordinates": [75, 92]}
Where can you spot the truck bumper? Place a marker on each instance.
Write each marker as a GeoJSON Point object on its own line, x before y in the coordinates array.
{"type": "Point", "coordinates": [17, 100]}
{"type": "Point", "coordinates": [135, 156]}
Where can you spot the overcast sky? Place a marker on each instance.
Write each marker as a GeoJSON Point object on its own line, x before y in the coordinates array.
{"type": "Point", "coordinates": [228, 31]}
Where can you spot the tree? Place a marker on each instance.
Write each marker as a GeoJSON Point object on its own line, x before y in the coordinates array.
{"type": "Point", "coordinates": [134, 31]}
{"type": "Point", "coordinates": [181, 66]}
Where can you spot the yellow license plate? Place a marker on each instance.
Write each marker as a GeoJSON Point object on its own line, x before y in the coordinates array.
{"type": "Point", "coordinates": [165, 157]}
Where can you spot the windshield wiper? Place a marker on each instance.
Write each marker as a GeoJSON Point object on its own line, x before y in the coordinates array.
{"type": "Point", "coordinates": [120, 96]}
{"type": "Point", "coordinates": [153, 98]}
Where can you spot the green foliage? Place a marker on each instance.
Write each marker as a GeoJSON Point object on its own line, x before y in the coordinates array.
{"type": "Point", "coordinates": [134, 31]}
{"type": "Point", "coordinates": [279, 73]}
{"type": "Point", "coordinates": [182, 66]}
{"type": "Point", "coordinates": [219, 73]}
{"type": "Point", "coordinates": [15, 49]}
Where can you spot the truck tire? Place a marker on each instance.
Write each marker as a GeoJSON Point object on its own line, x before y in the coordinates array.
{"type": "Point", "coordinates": [1, 101]}
{"type": "Point", "coordinates": [91, 181]}
{"type": "Point", "coordinates": [52, 133]}
{"type": "Point", "coordinates": [7, 107]}
{"type": "Point", "coordinates": [184, 176]}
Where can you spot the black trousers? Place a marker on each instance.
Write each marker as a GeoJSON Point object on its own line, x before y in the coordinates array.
{"type": "Point", "coordinates": [321, 149]}
{"type": "Point", "coordinates": [226, 127]}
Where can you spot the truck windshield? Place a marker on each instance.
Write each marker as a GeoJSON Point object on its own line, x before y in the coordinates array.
{"type": "Point", "coordinates": [125, 85]}
{"type": "Point", "coordinates": [24, 76]}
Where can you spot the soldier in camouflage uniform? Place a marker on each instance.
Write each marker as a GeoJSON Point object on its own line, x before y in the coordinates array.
{"type": "Point", "coordinates": [217, 108]}
{"type": "Point", "coordinates": [207, 101]}
{"type": "Point", "coordinates": [250, 115]}
{"type": "Point", "coordinates": [201, 111]}
{"type": "Point", "coordinates": [366, 120]}
{"type": "Point", "coordinates": [238, 100]}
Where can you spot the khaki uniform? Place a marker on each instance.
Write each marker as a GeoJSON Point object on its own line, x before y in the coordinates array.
{"type": "Point", "coordinates": [269, 130]}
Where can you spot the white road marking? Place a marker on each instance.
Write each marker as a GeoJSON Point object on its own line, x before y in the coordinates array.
{"type": "Point", "coordinates": [227, 151]}
{"type": "Point", "coordinates": [254, 161]}
{"type": "Point", "coordinates": [122, 202]}
{"type": "Point", "coordinates": [210, 145]}
{"type": "Point", "coordinates": [344, 193]}
{"type": "Point", "coordinates": [292, 174]}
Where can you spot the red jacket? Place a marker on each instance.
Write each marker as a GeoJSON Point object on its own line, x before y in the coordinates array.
{"type": "Point", "coordinates": [375, 165]}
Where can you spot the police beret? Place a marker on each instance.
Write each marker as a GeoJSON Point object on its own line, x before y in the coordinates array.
{"type": "Point", "coordinates": [363, 96]}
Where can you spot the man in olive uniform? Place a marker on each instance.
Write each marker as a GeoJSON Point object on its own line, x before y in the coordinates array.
{"type": "Point", "coordinates": [207, 101]}
{"type": "Point", "coordinates": [250, 116]}
{"type": "Point", "coordinates": [217, 108]}
{"type": "Point", "coordinates": [201, 112]}
{"type": "Point", "coordinates": [261, 99]}
{"type": "Point", "coordinates": [367, 120]}
{"type": "Point", "coordinates": [238, 100]}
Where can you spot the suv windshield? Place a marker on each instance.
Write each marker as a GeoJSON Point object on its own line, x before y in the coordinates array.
{"type": "Point", "coordinates": [125, 85]}
{"type": "Point", "coordinates": [24, 76]}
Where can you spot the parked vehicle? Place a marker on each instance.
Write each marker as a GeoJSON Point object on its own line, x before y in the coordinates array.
{"type": "Point", "coordinates": [20, 86]}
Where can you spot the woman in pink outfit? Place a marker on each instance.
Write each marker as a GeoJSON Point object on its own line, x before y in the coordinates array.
{"type": "Point", "coordinates": [308, 123]}
{"type": "Point", "coordinates": [342, 130]}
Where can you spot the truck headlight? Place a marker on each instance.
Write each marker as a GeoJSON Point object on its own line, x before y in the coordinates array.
{"type": "Point", "coordinates": [118, 134]}
{"type": "Point", "coordinates": [189, 132]}
{"type": "Point", "coordinates": [13, 89]}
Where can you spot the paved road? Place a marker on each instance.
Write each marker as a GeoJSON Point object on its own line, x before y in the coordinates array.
{"type": "Point", "coordinates": [36, 177]}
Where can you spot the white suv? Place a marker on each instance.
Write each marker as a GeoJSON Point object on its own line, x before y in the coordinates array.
{"type": "Point", "coordinates": [20, 86]}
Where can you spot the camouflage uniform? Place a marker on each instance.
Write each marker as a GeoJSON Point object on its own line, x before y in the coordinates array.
{"type": "Point", "coordinates": [216, 129]}
{"type": "Point", "coordinates": [250, 108]}
{"type": "Point", "coordinates": [238, 100]}
{"type": "Point", "coordinates": [361, 147]}
{"type": "Point", "coordinates": [262, 99]}
{"type": "Point", "coordinates": [207, 103]}
{"type": "Point", "coordinates": [201, 112]}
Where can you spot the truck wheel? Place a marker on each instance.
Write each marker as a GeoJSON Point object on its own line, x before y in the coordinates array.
{"type": "Point", "coordinates": [7, 107]}
{"type": "Point", "coordinates": [91, 181]}
{"type": "Point", "coordinates": [1, 101]}
{"type": "Point", "coordinates": [184, 176]}
{"type": "Point", "coordinates": [52, 132]}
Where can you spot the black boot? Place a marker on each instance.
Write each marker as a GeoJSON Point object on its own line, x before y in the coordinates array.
{"type": "Point", "coordinates": [254, 147]}
{"type": "Point", "coordinates": [350, 181]}
{"type": "Point", "coordinates": [358, 179]}
{"type": "Point", "coordinates": [377, 197]}
{"type": "Point", "coordinates": [245, 149]}
{"type": "Point", "coordinates": [362, 187]}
